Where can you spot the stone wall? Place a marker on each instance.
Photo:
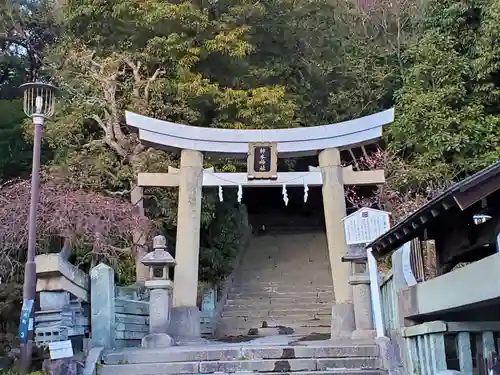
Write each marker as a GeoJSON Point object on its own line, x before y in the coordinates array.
{"type": "Point", "coordinates": [61, 317]}
{"type": "Point", "coordinates": [63, 309]}
{"type": "Point", "coordinates": [132, 322]}
{"type": "Point", "coordinates": [120, 315]}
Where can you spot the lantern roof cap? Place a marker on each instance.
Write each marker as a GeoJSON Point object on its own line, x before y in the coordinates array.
{"type": "Point", "coordinates": [39, 84]}
{"type": "Point", "coordinates": [159, 256]}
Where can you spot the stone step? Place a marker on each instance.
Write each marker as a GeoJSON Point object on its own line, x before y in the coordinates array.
{"type": "Point", "coordinates": [309, 275]}
{"type": "Point", "coordinates": [291, 297]}
{"type": "Point", "coordinates": [302, 284]}
{"type": "Point", "coordinates": [266, 313]}
{"type": "Point", "coordinates": [235, 352]}
{"type": "Point", "coordinates": [278, 303]}
{"type": "Point", "coordinates": [282, 296]}
{"type": "Point", "coordinates": [252, 279]}
{"type": "Point", "coordinates": [271, 261]}
{"type": "Point", "coordinates": [260, 365]}
{"type": "Point", "coordinates": [277, 292]}
{"type": "Point", "coordinates": [223, 331]}
{"type": "Point", "coordinates": [269, 289]}
{"type": "Point", "coordinates": [301, 320]}
{"type": "Point", "coordinates": [330, 372]}
{"type": "Point", "coordinates": [286, 270]}
{"type": "Point", "coordinates": [267, 308]}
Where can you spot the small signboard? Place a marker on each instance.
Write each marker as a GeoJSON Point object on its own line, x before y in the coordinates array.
{"type": "Point", "coordinates": [61, 349]}
{"type": "Point", "coordinates": [262, 161]}
{"type": "Point", "coordinates": [365, 225]}
{"type": "Point", "coordinates": [25, 322]}
{"type": "Point", "coordinates": [406, 264]}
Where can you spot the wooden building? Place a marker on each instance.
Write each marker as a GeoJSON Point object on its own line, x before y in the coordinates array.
{"type": "Point", "coordinates": [450, 321]}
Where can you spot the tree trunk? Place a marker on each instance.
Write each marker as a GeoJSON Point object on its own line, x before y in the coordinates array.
{"type": "Point", "coordinates": [139, 238]}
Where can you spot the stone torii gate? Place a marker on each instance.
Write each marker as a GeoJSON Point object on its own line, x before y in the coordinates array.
{"type": "Point", "coordinates": [193, 142]}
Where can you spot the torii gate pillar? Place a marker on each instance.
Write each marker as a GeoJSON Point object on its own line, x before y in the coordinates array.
{"type": "Point", "coordinates": [185, 315]}
{"type": "Point", "coordinates": [335, 209]}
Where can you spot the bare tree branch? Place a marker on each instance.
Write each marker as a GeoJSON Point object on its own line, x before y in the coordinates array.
{"type": "Point", "coordinates": [99, 221]}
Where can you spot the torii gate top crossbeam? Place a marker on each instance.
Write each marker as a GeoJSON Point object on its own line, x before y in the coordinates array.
{"type": "Point", "coordinates": [290, 142]}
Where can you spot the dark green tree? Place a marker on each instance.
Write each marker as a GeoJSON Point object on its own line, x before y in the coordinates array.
{"type": "Point", "coordinates": [447, 120]}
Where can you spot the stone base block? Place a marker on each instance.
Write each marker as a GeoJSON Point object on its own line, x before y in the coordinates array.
{"type": "Point", "coordinates": [157, 340]}
{"type": "Point", "coordinates": [53, 300]}
{"type": "Point", "coordinates": [342, 320]}
{"type": "Point", "coordinates": [364, 334]}
{"type": "Point", "coordinates": [387, 359]}
{"type": "Point", "coordinates": [185, 323]}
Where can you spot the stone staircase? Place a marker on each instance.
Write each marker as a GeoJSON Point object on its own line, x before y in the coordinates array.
{"type": "Point", "coordinates": [283, 286]}
{"type": "Point", "coordinates": [301, 358]}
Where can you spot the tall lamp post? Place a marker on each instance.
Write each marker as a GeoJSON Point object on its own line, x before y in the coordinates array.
{"type": "Point", "coordinates": [39, 103]}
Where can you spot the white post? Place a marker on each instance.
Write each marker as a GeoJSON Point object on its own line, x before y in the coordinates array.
{"type": "Point", "coordinates": [375, 293]}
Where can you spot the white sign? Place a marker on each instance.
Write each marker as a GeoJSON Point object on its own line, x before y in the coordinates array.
{"type": "Point", "coordinates": [406, 264]}
{"type": "Point", "coordinates": [61, 349]}
{"type": "Point", "coordinates": [365, 225]}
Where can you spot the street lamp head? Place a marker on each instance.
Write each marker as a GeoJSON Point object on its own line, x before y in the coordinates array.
{"type": "Point", "coordinates": [39, 99]}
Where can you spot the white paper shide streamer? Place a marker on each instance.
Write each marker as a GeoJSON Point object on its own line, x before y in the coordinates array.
{"type": "Point", "coordinates": [221, 196]}
{"type": "Point", "coordinates": [306, 192]}
{"type": "Point", "coordinates": [240, 193]}
{"type": "Point", "coordinates": [285, 195]}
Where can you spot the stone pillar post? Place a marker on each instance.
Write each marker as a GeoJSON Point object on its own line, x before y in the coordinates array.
{"type": "Point", "coordinates": [363, 316]}
{"type": "Point", "coordinates": [102, 304]}
{"type": "Point", "coordinates": [185, 315]}
{"type": "Point", "coordinates": [335, 209]}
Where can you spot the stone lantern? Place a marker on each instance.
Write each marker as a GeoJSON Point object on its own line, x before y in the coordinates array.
{"type": "Point", "coordinates": [360, 281]}
{"type": "Point", "coordinates": [159, 284]}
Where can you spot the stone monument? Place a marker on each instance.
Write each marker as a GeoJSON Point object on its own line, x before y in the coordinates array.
{"type": "Point", "coordinates": [160, 286]}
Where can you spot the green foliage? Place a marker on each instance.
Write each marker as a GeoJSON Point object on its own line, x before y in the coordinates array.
{"type": "Point", "coordinates": [447, 121]}
{"type": "Point", "coordinates": [15, 151]}
{"type": "Point", "coordinates": [237, 64]}
{"type": "Point", "coordinates": [26, 27]}
{"type": "Point", "coordinates": [10, 309]}
{"type": "Point", "coordinates": [221, 241]}
{"type": "Point", "coordinates": [275, 64]}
